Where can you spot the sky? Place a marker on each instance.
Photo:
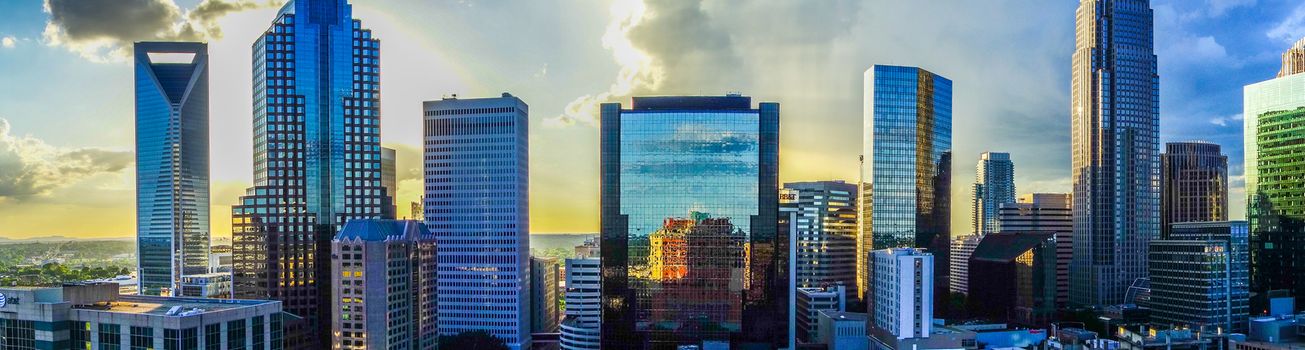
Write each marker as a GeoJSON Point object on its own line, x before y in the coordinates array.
{"type": "Point", "coordinates": [66, 102]}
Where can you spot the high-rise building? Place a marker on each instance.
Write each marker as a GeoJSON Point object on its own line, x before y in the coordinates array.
{"type": "Point", "coordinates": [903, 294]}
{"type": "Point", "coordinates": [477, 203]}
{"type": "Point", "coordinates": [908, 143]}
{"type": "Point", "coordinates": [172, 194]}
{"type": "Point", "coordinates": [826, 233]}
{"type": "Point", "coordinates": [1293, 61]}
{"type": "Point", "coordinates": [691, 247]}
{"type": "Point", "coordinates": [810, 301]}
{"type": "Point", "coordinates": [1115, 108]}
{"type": "Point", "coordinates": [1047, 213]}
{"type": "Point", "coordinates": [544, 273]}
{"type": "Point", "coordinates": [389, 180]}
{"type": "Point", "coordinates": [1013, 278]}
{"type": "Point", "coordinates": [95, 316]}
{"type": "Point", "coordinates": [994, 185]}
{"type": "Point", "coordinates": [1274, 113]}
{"type": "Point", "coordinates": [962, 248]}
{"type": "Point", "coordinates": [317, 157]}
{"type": "Point", "coordinates": [580, 328]}
{"type": "Point", "coordinates": [1200, 277]}
{"type": "Point", "coordinates": [383, 272]}
{"type": "Point", "coordinates": [1194, 181]}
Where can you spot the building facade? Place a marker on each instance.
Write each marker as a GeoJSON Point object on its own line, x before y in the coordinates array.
{"type": "Point", "coordinates": [172, 163]}
{"type": "Point", "coordinates": [384, 274]}
{"type": "Point", "coordinates": [1274, 143]}
{"type": "Point", "coordinates": [544, 316]}
{"type": "Point", "coordinates": [962, 248]}
{"type": "Point", "coordinates": [903, 290]}
{"type": "Point", "coordinates": [1200, 276]}
{"type": "Point", "coordinates": [1194, 179]}
{"type": "Point", "coordinates": [994, 186]}
{"type": "Point", "coordinates": [690, 243]}
{"type": "Point", "coordinates": [208, 285]}
{"type": "Point", "coordinates": [826, 233]}
{"type": "Point", "coordinates": [581, 327]}
{"type": "Point", "coordinates": [316, 157]}
{"type": "Point", "coordinates": [810, 302]}
{"type": "Point", "coordinates": [908, 143]}
{"type": "Point", "coordinates": [1013, 278]}
{"type": "Point", "coordinates": [1048, 213]}
{"type": "Point", "coordinates": [95, 316]}
{"type": "Point", "coordinates": [477, 204]}
{"type": "Point", "coordinates": [389, 180]}
{"type": "Point", "coordinates": [841, 330]}
{"type": "Point", "coordinates": [1115, 108]}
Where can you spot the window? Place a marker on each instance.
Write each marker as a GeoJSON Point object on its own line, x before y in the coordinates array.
{"type": "Point", "coordinates": [110, 337]}
{"type": "Point", "coordinates": [142, 338]}
{"type": "Point", "coordinates": [213, 337]}
{"type": "Point", "coordinates": [236, 335]}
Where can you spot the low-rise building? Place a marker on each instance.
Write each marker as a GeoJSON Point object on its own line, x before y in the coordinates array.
{"type": "Point", "coordinates": [840, 330]}
{"type": "Point", "coordinates": [580, 329]}
{"type": "Point", "coordinates": [810, 302]}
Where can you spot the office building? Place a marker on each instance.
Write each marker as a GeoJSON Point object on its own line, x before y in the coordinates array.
{"type": "Point", "coordinates": [384, 274]}
{"type": "Point", "coordinates": [477, 203]}
{"type": "Point", "coordinates": [544, 315]}
{"type": "Point", "coordinates": [691, 248]}
{"type": "Point", "coordinates": [994, 186]}
{"type": "Point", "coordinates": [1274, 112]}
{"type": "Point", "coordinates": [826, 233]}
{"type": "Point", "coordinates": [1200, 276]}
{"type": "Point", "coordinates": [1194, 183]}
{"type": "Point", "coordinates": [588, 249]}
{"type": "Point", "coordinates": [219, 259]}
{"type": "Point", "coordinates": [1115, 126]}
{"type": "Point", "coordinates": [172, 194]}
{"type": "Point", "coordinates": [962, 248]}
{"type": "Point", "coordinates": [1048, 213]}
{"type": "Point", "coordinates": [903, 289]}
{"type": "Point", "coordinates": [908, 143]}
{"type": "Point", "coordinates": [389, 180]}
{"type": "Point", "coordinates": [1013, 278]}
{"type": "Point", "coordinates": [208, 285]}
{"type": "Point", "coordinates": [810, 301]}
{"type": "Point", "coordinates": [95, 316]}
{"type": "Point", "coordinates": [1293, 60]}
{"type": "Point", "coordinates": [316, 157]}
{"type": "Point", "coordinates": [840, 330]}
{"type": "Point", "coordinates": [580, 328]}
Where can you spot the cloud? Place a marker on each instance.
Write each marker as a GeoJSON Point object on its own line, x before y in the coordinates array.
{"type": "Point", "coordinates": [8, 42]}
{"type": "Point", "coordinates": [29, 167]}
{"type": "Point", "coordinates": [1225, 120]}
{"type": "Point", "coordinates": [1291, 27]}
{"type": "Point", "coordinates": [103, 31]}
{"type": "Point", "coordinates": [1219, 7]}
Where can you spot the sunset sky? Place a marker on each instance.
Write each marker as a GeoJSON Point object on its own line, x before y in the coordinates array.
{"type": "Point", "coordinates": [66, 98]}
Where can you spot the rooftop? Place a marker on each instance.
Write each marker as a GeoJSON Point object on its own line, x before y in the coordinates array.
{"type": "Point", "coordinates": [384, 230]}
{"type": "Point", "coordinates": [172, 306]}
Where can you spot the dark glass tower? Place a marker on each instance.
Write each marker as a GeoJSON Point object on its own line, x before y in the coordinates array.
{"type": "Point", "coordinates": [172, 194]}
{"type": "Point", "coordinates": [317, 157]}
{"type": "Point", "coordinates": [908, 145]}
{"type": "Point", "coordinates": [1195, 183]}
{"type": "Point", "coordinates": [1115, 107]}
{"type": "Point", "coordinates": [691, 250]}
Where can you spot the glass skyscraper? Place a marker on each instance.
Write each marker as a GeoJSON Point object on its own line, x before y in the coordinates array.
{"type": "Point", "coordinates": [478, 206]}
{"type": "Point", "coordinates": [691, 248]}
{"type": "Point", "coordinates": [172, 190]}
{"type": "Point", "coordinates": [1194, 180]}
{"type": "Point", "coordinates": [1115, 108]}
{"type": "Point", "coordinates": [908, 143]}
{"type": "Point", "coordinates": [1275, 148]}
{"type": "Point", "coordinates": [994, 185]}
{"type": "Point", "coordinates": [317, 158]}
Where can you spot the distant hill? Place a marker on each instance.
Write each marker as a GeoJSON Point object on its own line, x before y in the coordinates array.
{"type": "Point", "coordinates": [47, 239]}
{"type": "Point", "coordinates": [543, 241]}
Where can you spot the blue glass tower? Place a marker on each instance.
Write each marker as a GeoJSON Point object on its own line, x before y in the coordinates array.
{"type": "Point", "coordinates": [478, 206]}
{"type": "Point", "coordinates": [317, 156]}
{"type": "Point", "coordinates": [908, 146]}
{"type": "Point", "coordinates": [1115, 107]}
{"type": "Point", "coordinates": [172, 194]}
{"type": "Point", "coordinates": [691, 246]}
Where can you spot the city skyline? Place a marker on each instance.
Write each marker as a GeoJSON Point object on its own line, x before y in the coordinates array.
{"type": "Point", "coordinates": [55, 52]}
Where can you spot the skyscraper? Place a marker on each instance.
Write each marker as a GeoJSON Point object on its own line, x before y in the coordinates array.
{"type": "Point", "coordinates": [994, 185]}
{"type": "Point", "coordinates": [826, 233]}
{"type": "Point", "coordinates": [908, 140]}
{"type": "Point", "coordinates": [1048, 213]}
{"type": "Point", "coordinates": [1293, 61]}
{"type": "Point", "coordinates": [1194, 181]}
{"type": "Point", "coordinates": [1274, 112]}
{"type": "Point", "coordinates": [1115, 108]}
{"type": "Point", "coordinates": [1199, 276]}
{"type": "Point", "coordinates": [172, 191]}
{"type": "Point", "coordinates": [317, 157]}
{"type": "Point", "coordinates": [903, 295]}
{"type": "Point", "coordinates": [543, 294]}
{"type": "Point", "coordinates": [691, 248]}
{"type": "Point", "coordinates": [384, 274]}
{"type": "Point", "coordinates": [477, 203]}
{"type": "Point", "coordinates": [389, 180]}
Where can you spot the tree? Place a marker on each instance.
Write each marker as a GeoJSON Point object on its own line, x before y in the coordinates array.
{"type": "Point", "coordinates": [472, 340]}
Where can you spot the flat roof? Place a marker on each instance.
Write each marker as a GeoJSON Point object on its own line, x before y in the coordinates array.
{"type": "Point", "coordinates": [159, 306]}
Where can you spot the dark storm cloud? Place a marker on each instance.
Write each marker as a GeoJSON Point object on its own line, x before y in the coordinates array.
{"type": "Point", "coordinates": [104, 30]}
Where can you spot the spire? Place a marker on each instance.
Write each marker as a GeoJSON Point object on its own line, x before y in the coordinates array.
{"type": "Point", "coordinates": [1293, 61]}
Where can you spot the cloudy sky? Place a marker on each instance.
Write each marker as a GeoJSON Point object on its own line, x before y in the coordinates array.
{"type": "Point", "coordinates": [66, 107]}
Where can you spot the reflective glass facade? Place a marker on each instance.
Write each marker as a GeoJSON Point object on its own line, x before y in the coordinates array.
{"type": "Point", "coordinates": [908, 140]}
{"type": "Point", "coordinates": [1115, 108]}
{"type": "Point", "coordinates": [172, 189]}
{"type": "Point", "coordinates": [317, 156]}
{"type": "Point", "coordinates": [994, 185]}
{"type": "Point", "coordinates": [691, 248]}
{"type": "Point", "coordinates": [1194, 182]}
{"type": "Point", "coordinates": [1275, 121]}
{"type": "Point", "coordinates": [826, 233]}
